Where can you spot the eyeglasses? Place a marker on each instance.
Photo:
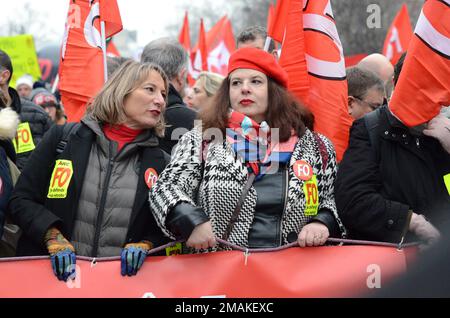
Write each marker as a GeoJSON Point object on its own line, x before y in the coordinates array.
{"type": "Point", "coordinates": [372, 106]}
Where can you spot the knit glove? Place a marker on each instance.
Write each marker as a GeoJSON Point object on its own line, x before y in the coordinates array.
{"type": "Point", "coordinates": [62, 254]}
{"type": "Point", "coordinates": [133, 256]}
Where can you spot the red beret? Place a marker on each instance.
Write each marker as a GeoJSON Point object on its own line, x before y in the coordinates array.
{"type": "Point", "coordinates": [257, 59]}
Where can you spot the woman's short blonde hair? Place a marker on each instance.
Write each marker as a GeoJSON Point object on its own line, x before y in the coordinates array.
{"type": "Point", "coordinates": [107, 106]}
{"type": "Point", "coordinates": [210, 82]}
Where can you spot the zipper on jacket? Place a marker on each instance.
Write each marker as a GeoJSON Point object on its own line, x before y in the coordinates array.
{"type": "Point", "coordinates": [101, 209]}
{"type": "Point", "coordinates": [286, 188]}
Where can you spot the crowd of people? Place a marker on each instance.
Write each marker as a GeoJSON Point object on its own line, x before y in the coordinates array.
{"type": "Point", "coordinates": [235, 158]}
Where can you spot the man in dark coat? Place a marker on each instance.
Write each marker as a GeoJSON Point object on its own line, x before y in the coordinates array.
{"type": "Point", "coordinates": [34, 120]}
{"type": "Point", "coordinates": [399, 185]}
{"type": "Point", "coordinates": [173, 59]}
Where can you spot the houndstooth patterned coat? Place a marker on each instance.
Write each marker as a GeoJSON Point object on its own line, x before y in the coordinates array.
{"type": "Point", "coordinates": [217, 185]}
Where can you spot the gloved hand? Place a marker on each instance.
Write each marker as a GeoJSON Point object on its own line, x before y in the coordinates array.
{"type": "Point", "coordinates": [133, 256]}
{"type": "Point", "coordinates": [424, 230]}
{"type": "Point", "coordinates": [62, 254]}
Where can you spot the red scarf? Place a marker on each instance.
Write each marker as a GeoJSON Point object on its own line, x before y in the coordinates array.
{"type": "Point", "coordinates": [121, 134]}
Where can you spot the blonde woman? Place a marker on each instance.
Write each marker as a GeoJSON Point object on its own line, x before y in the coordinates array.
{"type": "Point", "coordinates": [89, 196]}
{"type": "Point", "coordinates": [204, 89]}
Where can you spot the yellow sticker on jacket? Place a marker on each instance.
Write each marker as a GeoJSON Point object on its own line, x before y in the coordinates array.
{"type": "Point", "coordinates": [447, 182]}
{"type": "Point", "coordinates": [311, 196]}
{"type": "Point", "coordinates": [174, 250]}
{"type": "Point", "coordinates": [61, 176]}
{"type": "Point", "coordinates": [24, 139]}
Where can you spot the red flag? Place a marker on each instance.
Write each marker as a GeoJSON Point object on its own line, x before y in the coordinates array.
{"type": "Point", "coordinates": [220, 43]}
{"type": "Point", "coordinates": [278, 24]}
{"type": "Point", "coordinates": [185, 36]}
{"type": "Point", "coordinates": [185, 40]}
{"type": "Point", "coordinates": [270, 15]}
{"type": "Point", "coordinates": [398, 36]}
{"type": "Point", "coordinates": [81, 69]}
{"type": "Point", "coordinates": [313, 57]}
{"type": "Point", "coordinates": [111, 49]}
{"type": "Point", "coordinates": [201, 56]}
{"type": "Point", "coordinates": [424, 85]}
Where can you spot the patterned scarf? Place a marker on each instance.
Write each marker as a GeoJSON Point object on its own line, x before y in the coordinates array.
{"type": "Point", "coordinates": [252, 143]}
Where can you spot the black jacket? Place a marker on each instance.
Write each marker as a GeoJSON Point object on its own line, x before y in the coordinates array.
{"type": "Point", "coordinates": [35, 213]}
{"type": "Point", "coordinates": [177, 116]}
{"type": "Point", "coordinates": [36, 116]}
{"type": "Point", "coordinates": [375, 194]}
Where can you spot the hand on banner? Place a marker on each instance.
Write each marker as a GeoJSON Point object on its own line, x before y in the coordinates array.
{"type": "Point", "coordinates": [439, 128]}
{"type": "Point", "coordinates": [424, 230]}
{"type": "Point", "coordinates": [313, 234]}
{"type": "Point", "coordinates": [202, 237]}
{"type": "Point", "coordinates": [62, 254]}
{"type": "Point", "coordinates": [133, 256]}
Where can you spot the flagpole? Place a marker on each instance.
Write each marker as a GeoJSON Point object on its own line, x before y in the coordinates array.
{"type": "Point", "coordinates": [267, 44]}
{"type": "Point", "coordinates": [105, 66]}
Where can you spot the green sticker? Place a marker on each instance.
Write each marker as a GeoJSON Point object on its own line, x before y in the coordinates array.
{"type": "Point", "coordinates": [174, 250]}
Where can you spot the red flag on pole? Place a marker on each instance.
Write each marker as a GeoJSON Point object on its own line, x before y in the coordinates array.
{"type": "Point", "coordinates": [111, 49]}
{"type": "Point", "coordinates": [201, 56]}
{"type": "Point", "coordinates": [81, 69]}
{"type": "Point", "coordinates": [278, 24]}
{"type": "Point", "coordinates": [185, 40]}
{"type": "Point", "coordinates": [313, 57]}
{"type": "Point", "coordinates": [270, 15]}
{"type": "Point", "coordinates": [220, 43]}
{"type": "Point", "coordinates": [185, 36]}
{"type": "Point", "coordinates": [398, 36]}
{"type": "Point", "coordinates": [424, 83]}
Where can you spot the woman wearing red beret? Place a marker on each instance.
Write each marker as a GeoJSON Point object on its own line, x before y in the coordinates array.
{"type": "Point", "coordinates": [254, 173]}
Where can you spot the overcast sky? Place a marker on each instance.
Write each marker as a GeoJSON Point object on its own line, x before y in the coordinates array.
{"type": "Point", "coordinates": [148, 17]}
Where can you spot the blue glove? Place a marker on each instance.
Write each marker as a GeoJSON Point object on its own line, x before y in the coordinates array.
{"type": "Point", "coordinates": [133, 256]}
{"type": "Point", "coordinates": [63, 264]}
{"type": "Point", "coordinates": [62, 254]}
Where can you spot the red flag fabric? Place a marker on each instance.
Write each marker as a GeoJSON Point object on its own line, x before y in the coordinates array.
{"type": "Point", "coordinates": [278, 24]}
{"type": "Point", "coordinates": [220, 43]}
{"type": "Point", "coordinates": [270, 15]}
{"type": "Point", "coordinates": [111, 49]}
{"type": "Point", "coordinates": [313, 57]}
{"type": "Point", "coordinates": [201, 56]}
{"type": "Point", "coordinates": [110, 14]}
{"type": "Point", "coordinates": [81, 69]}
{"type": "Point", "coordinates": [328, 271]}
{"type": "Point", "coordinates": [185, 36]}
{"type": "Point", "coordinates": [185, 40]}
{"type": "Point", "coordinates": [424, 85]}
{"type": "Point", "coordinates": [398, 36]}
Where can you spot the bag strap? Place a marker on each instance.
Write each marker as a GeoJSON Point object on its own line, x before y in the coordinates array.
{"type": "Point", "coordinates": [67, 130]}
{"type": "Point", "coordinates": [237, 210]}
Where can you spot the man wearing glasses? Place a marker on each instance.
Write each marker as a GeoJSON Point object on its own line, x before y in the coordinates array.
{"type": "Point", "coordinates": [365, 92]}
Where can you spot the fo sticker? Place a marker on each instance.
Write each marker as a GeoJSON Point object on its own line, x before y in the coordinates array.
{"type": "Point", "coordinates": [24, 139]}
{"type": "Point", "coordinates": [303, 170]}
{"type": "Point", "coordinates": [150, 177]}
{"type": "Point", "coordinates": [311, 196]}
{"type": "Point", "coordinates": [61, 176]}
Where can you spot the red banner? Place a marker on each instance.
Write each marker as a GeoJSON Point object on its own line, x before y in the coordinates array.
{"type": "Point", "coordinates": [338, 271]}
